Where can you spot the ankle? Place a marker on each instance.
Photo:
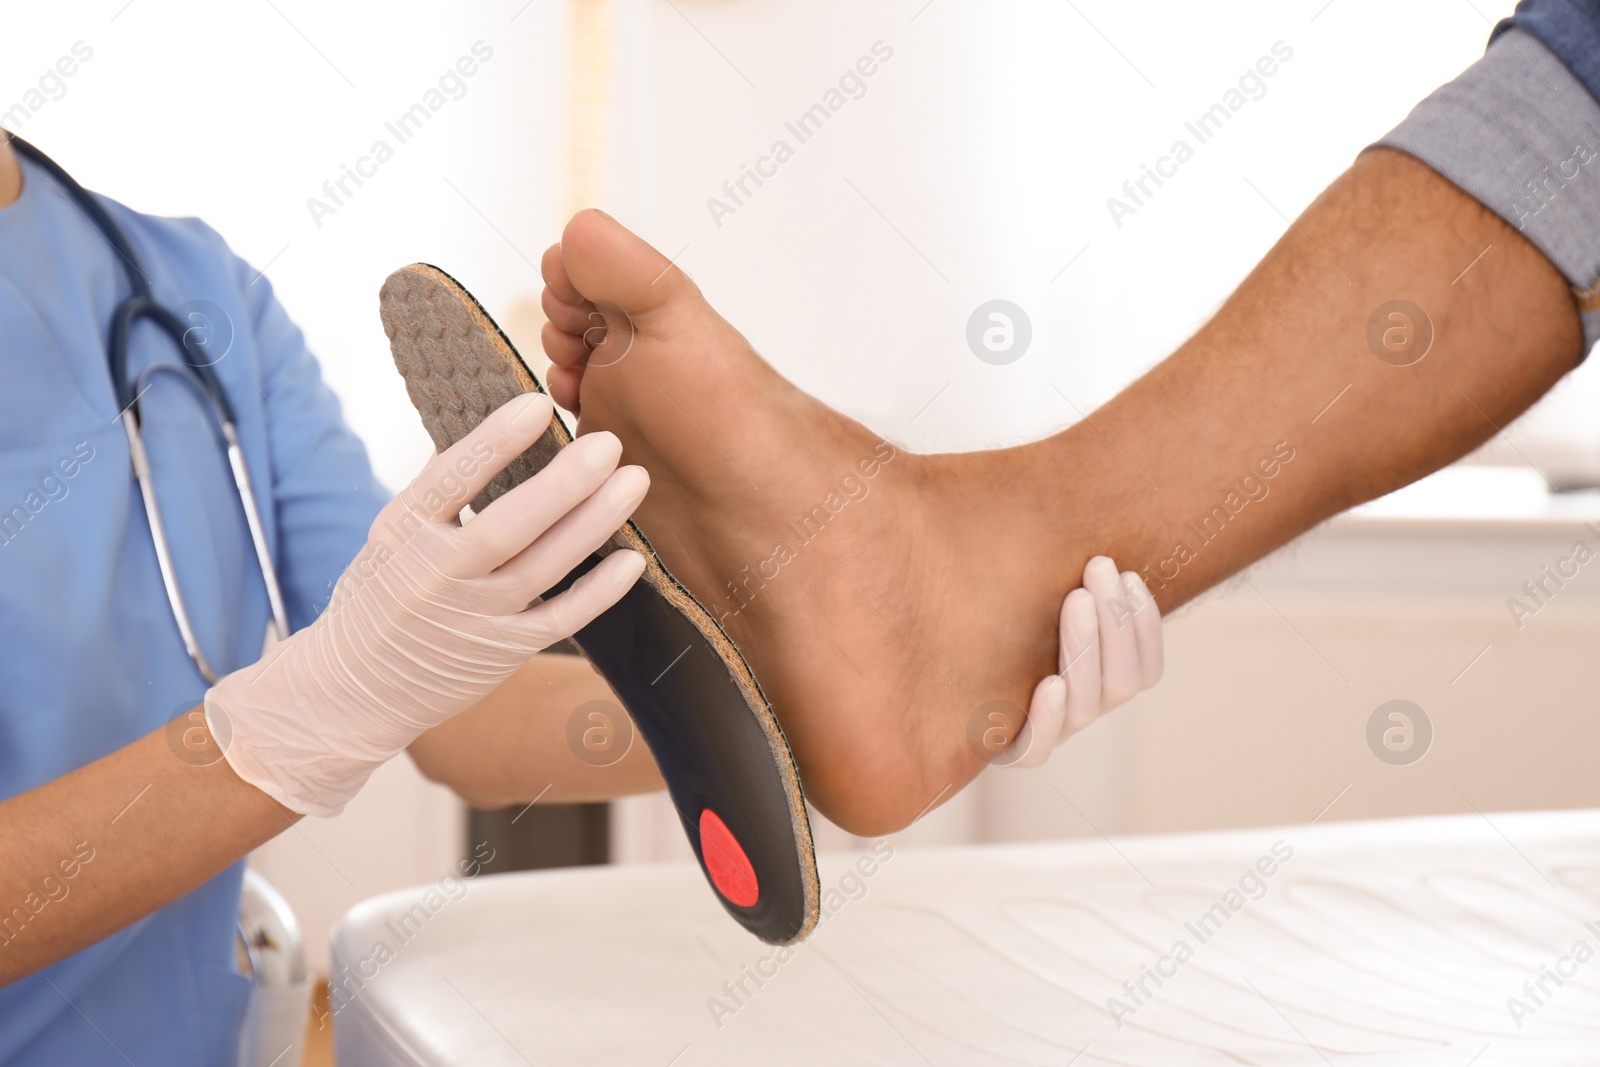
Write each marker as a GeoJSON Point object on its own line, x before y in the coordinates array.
{"type": "Point", "coordinates": [1052, 505]}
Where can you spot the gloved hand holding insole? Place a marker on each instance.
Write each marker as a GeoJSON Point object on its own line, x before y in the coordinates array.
{"type": "Point", "coordinates": [434, 613]}
{"type": "Point", "coordinates": [1111, 650]}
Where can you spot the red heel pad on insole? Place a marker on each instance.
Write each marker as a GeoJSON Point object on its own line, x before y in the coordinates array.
{"type": "Point", "coordinates": [726, 862]}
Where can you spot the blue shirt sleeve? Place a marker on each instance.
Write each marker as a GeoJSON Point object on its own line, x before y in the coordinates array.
{"type": "Point", "coordinates": [1569, 28]}
{"type": "Point", "coordinates": [324, 494]}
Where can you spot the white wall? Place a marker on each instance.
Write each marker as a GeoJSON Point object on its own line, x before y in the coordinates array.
{"type": "Point", "coordinates": [990, 144]}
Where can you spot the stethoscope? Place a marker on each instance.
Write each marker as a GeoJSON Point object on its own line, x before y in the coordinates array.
{"type": "Point", "coordinates": [197, 371]}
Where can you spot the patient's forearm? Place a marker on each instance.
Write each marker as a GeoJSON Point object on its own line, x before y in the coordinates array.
{"type": "Point", "coordinates": [1286, 366]}
{"type": "Point", "coordinates": [521, 743]}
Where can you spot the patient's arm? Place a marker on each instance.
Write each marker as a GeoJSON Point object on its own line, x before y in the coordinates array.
{"type": "Point", "coordinates": [1287, 360]}
{"type": "Point", "coordinates": [937, 590]}
{"type": "Point", "coordinates": [520, 743]}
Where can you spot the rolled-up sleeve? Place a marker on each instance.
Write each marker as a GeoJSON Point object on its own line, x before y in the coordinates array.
{"type": "Point", "coordinates": [1520, 131]}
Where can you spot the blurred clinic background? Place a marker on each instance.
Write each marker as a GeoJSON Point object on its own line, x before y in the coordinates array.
{"type": "Point", "coordinates": [974, 164]}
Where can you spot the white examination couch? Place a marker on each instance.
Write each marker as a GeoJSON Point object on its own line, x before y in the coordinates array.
{"type": "Point", "coordinates": [1449, 941]}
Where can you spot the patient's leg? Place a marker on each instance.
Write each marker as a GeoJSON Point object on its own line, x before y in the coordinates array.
{"type": "Point", "coordinates": [883, 597]}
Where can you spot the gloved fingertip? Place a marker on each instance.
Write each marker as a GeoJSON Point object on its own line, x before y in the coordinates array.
{"type": "Point", "coordinates": [633, 566]}
{"type": "Point", "coordinates": [599, 450]}
{"type": "Point", "coordinates": [1082, 620]}
{"type": "Point", "coordinates": [533, 410]}
{"type": "Point", "coordinates": [1137, 589]}
{"type": "Point", "coordinates": [635, 480]}
{"type": "Point", "coordinates": [1053, 692]}
{"type": "Point", "coordinates": [1100, 569]}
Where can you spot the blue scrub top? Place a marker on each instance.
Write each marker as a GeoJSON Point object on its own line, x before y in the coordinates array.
{"type": "Point", "coordinates": [90, 657]}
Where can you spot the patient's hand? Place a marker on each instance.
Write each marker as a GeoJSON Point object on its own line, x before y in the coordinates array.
{"type": "Point", "coordinates": [1111, 649]}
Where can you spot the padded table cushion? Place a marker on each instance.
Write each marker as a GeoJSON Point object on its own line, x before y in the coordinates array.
{"type": "Point", "coordinates": [1380, 943]}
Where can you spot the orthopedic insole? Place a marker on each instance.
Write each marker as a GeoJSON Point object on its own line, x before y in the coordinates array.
{"type": "Point", "coordinates": [690, 693]}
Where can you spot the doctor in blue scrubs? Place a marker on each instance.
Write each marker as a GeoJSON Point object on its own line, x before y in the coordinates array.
{"type": "Point", "coordinates": [120, 852]}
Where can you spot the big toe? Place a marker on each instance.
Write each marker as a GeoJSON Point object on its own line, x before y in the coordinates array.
{"type": "Point", "coordinates": [609, 264]}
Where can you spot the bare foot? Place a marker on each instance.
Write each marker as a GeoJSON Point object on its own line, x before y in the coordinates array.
{"type": "Point", "coordinates": [882, 598]}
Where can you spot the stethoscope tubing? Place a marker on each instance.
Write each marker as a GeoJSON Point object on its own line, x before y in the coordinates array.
{"type": "Point", "coordinates": [199, 373]}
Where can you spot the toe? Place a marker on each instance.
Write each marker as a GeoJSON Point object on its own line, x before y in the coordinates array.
{"type": "Point", "coordinates": [608, 264]}
{"type": "Point", "coordinates": [554, 269]}
{"type": "Point", "coordinates": [564, 383]}
{"type": "Point", "coordinates": [564, 349]}
{"type": "Point", "coordinates": [571, 318]}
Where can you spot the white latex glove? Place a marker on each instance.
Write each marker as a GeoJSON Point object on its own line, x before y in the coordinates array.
{"type": "Point", "coordinates": [1111, 649]}
{"type": "Point", "coordinates": [433, 614]}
